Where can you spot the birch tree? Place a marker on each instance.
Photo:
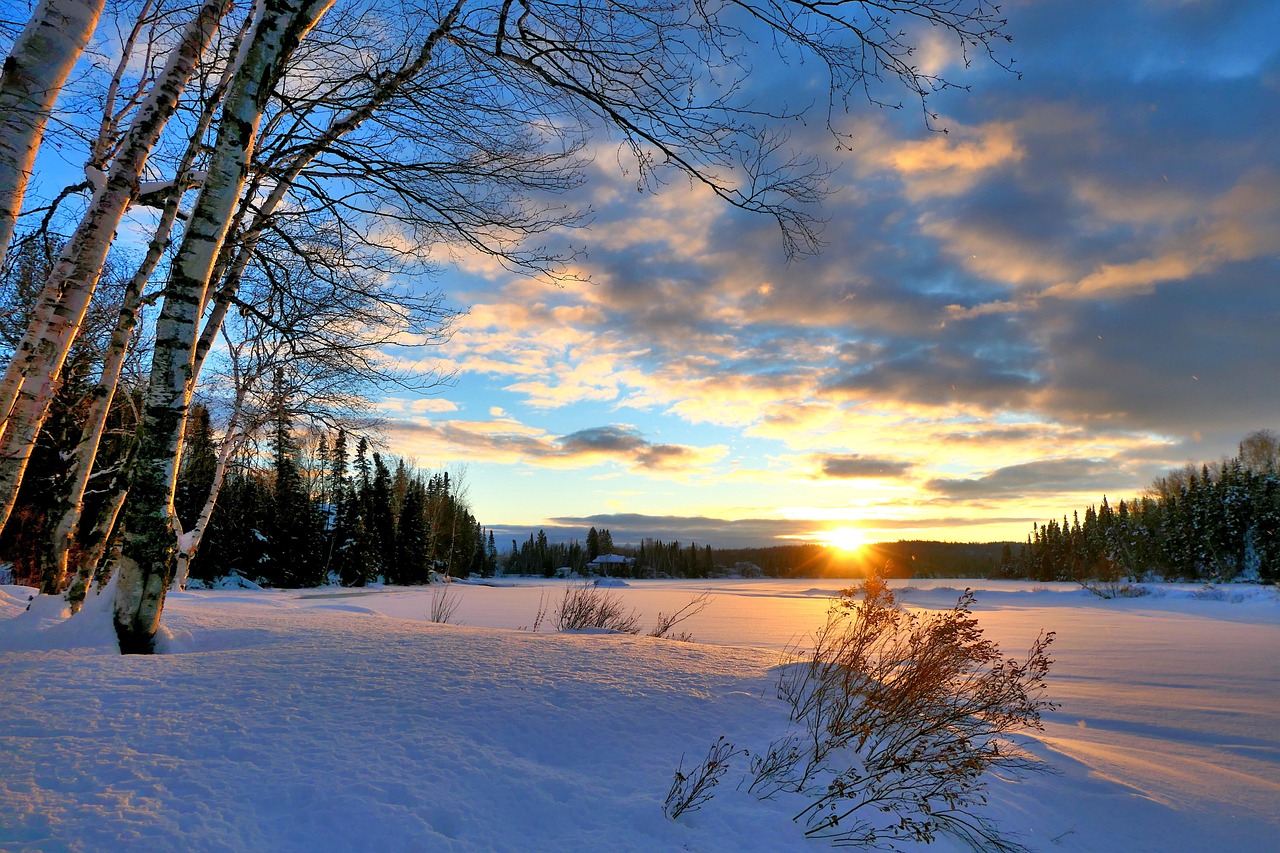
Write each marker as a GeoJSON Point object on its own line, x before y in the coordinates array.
{"type": "Point", "coordinates": [32, 78]}
{"type": "Point", "coordinates": [33, 373]}
{"type": "Point", "coordinates": [461, 113]}
{"type": "Point", "coordinates": [146, 560]}
{"type": "Point", "coordinates": [61, 571]}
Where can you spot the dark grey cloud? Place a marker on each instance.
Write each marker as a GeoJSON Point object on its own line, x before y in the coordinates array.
{"type": "Point", "coordinates": [852, 466]}
{"type": "Point", "coordinates": [1190, 357]}
{"type": "Point", "coordinates": [938, 374]}
{"type": "Point", "coordinates": [627, 444]}
{"type": "Point", "coordinates": [607, 439]}
{"type": "Point", "coordinates": [1047, 476]}
{"type": "Point", "coordinates": [516, 444]}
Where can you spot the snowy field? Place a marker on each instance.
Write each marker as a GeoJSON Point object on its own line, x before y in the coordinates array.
{"type": "Point", "coordinates": [343, 720]}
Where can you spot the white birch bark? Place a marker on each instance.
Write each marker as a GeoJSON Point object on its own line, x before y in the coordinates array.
{"type": "Point", "coordinates": [32, 376]}
{"type": "Point", "coordinates": [189, 541]}
{"type": "Point", "coordinates": [32, 78]}
{"type": "Point", "coordinates": [86, 451]}
{"type": "Point", "coordinates": [150, 544]}
{"type": "Point", "coordinates": [264, 210]}
{"type": "Point", "coordinates": [96, 547]}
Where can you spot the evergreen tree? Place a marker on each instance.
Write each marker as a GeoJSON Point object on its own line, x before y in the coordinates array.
{"type": "Point", "coordinates": [491, 557]}
{"type": "Point", "coordinates": [379, 518]}
{"type": "Point", "coordinates": [413, 539]}
{"type": "Point", "coordinates": [199, 460]}
{"type": "Point", "coordinates": [293, 532]}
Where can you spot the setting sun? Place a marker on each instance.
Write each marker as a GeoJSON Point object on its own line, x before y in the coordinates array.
{"type": "Point", "coordinates": [845, 538]}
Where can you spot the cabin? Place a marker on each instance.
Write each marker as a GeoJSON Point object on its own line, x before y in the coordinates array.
{"type": "Point", "coordinates": [608, 564]}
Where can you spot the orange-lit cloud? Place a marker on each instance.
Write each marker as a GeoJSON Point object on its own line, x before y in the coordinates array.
{"type": "Point", "coordinates": [506, 441]}
{"type": "Point", "coordinates": [948, 164]}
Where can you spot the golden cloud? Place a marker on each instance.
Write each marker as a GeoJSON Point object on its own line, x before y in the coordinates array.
{"type": "Point", "coordinates": [952, 164]}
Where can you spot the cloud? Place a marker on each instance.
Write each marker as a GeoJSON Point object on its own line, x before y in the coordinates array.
{"type": "Point", "coordinates": [1045, 476]}
{"type": "Point", "coordinates": [1082, 268]}
{"type": "Point", "coordinates": [506, 441]}
{"type": "Point", "coordinates": [1240, 225]}
{"type": "Point", "coordinates": [950, 164]}
{"type": "Point", "coordinates": [625, 443]}
{"type": "Point", "coordinates": [418, 406]}
{"type": "Point", "coordinates": [720, 532]}
{"type": "Point", "coordinates": [853, 466]}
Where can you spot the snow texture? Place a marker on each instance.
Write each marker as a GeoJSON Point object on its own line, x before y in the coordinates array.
{"type": "Point", "coordinates": [343, 720]}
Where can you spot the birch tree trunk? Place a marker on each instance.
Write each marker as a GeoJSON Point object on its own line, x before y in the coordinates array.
{"type": "Point", "coordinates": [33, 76]}
{"type": "Point", "coordinates": [189, 540]}
{"type": "Point", "coordinates": [150, 544]}
{"type": "Point", "coordinates": [95, 548]}
{"type": "Point", "coordinates": [32, 376]}
{"type": "Point", "coordinates": [58, 569]}
{"type": "Point", "coordinates": [83, 457]}
{"type": "Point", "coordinates": [344, 124]}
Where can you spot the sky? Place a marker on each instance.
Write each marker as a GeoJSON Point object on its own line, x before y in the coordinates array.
{"type": "Point", "coordinates": [1070, 291]}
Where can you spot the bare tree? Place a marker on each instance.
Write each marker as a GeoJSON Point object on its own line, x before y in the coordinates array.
{"type": "Point", "coordinates": [440, 126]}
{"type": "Point", "coordinates": [33, 373]}
{"type": "Point", "coordinates": [60, 569]}
{"type": "Point", "coordinates": [32, 78]}
{"type": "Point", "coordinates": [1260, 451]}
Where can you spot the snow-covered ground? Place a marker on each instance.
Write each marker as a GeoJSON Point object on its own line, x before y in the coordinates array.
{"type": "Point", "coordinates": [343, 720]}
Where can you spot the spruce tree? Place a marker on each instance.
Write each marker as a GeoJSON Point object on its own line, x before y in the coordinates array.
{"type": "Point", "coordinates": [199, 460]}
{"type": "Point", "coordinates": [413, 563]}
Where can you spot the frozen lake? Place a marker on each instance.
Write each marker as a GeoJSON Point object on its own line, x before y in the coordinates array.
{"type": "Point", "coordinates": [1175, 695]}
{"type": "Point", "coordinates": [343, 719]}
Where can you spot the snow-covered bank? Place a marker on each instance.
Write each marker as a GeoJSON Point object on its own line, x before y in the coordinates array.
{"type": "Point", "coordinates": [326, 722]}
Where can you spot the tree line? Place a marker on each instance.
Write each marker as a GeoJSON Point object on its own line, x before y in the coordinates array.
{"type": "Point", "coordinates": [303, 517]}
{"type": "Point", "coordinates": [1213, 522]}
{"type": "Point", "coordinates": [298, 510]}
{"type": "Point", "coordinates": [650, 558]}
{"type": "Point", "coordinates": [656, 558]}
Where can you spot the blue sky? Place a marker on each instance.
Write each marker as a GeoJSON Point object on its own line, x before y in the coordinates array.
{"type": "Point", "coordinates": [1070, 291]}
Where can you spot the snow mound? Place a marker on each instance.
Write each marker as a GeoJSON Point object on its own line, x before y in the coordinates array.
{"type": "Point", "coordinates": [611, 582]}
{"type": "Point", "coordinates": [345, 608]}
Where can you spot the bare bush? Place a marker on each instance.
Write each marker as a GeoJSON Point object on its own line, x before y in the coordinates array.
{"type": "Point", "coordinates": [900, 717]}
{"type": "Point", "coordinates": [690, 790]}
{"type": "Point", "coordinates": [775, 769]}
{"type": "Point", "coordinates": [1109, 588]}
{"type": "Point", "coordinates": [1107, 581]}
{"type": "Point", "coordinates": [444, 603]}
{"type": "Point", "coordinates": [588, 606]}
{"type": "Point", "coordinates": [666, 621]}
{"type": "Point", "coordinates": [540, 616]}
{"type": "Point", "coordinates": [925, 703]}
{"type": "Point", "coordinates": [1209, 592]}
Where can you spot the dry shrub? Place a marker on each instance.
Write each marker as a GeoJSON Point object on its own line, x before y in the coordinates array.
{"type": "Point", "coordinates": [668, 621]}
{"type": "Point", "coordinates": [1114, 588]}
{"type": "Point", "coordinates": [690, 790]}
{"type": "Point", "coordinates": [588, 606]}
{"type": "Point", "coordinates": [904, 713]}
{"type": "Point", "coordinates": [444, 603]}
{"type": "Point", "coordinates": [900, 715]}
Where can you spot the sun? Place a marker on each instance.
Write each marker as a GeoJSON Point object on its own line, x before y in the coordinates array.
{"type": "Point", "coordinates": [845, 538]}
